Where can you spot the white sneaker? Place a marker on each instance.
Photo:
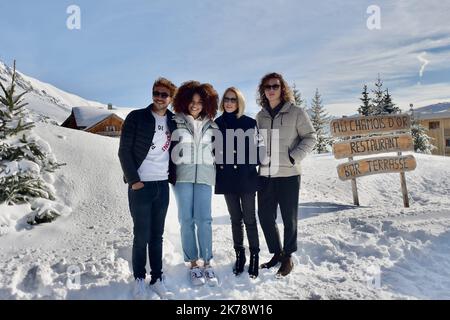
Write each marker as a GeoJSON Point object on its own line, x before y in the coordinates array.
{"type": "Point", "coordinates": [160, 289]}
{"type": "Point", "coordinates": [210, 276]}
{"type": "Point", "coordinates": [197, 278]}
{"type": "Point", "coordinates": [140, 289]}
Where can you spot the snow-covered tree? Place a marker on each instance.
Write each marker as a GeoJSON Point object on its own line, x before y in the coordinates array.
{"type": "Point", "coordinates": [297, 96]}
{"type": "Point", "coordinates": [388, 106]}
{"type": "Point", "coordinates": [23, 156]}
{"type": "Point", "coordinates": [422, 142]}
{"type": "Point", "coordinates": [366, 107]}
{"type": "Point", "coordinates": [378, 98]}
{"type": "Point", "coordinates": [380, 103]}
{"type": "Point", "coordinates": [320, 119]}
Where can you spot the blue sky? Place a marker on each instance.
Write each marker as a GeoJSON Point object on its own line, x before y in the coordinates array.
{"type": "Point", "coordinates": [124, 45]}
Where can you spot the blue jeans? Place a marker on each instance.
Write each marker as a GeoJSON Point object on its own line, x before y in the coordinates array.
{"type": "Point", "coordinates": [148, 208]}
{"type": "Point", "coordinates": [194, 212]}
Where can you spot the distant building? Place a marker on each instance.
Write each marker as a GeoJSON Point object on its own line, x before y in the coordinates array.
{"type": "Point", "coordinates": [105, 122]}
{"type": "Point", "coordinates": [437, 121]}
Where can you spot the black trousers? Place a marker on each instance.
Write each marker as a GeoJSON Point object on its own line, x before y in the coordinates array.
{"type": "Point", "coordinates": [242, 211]}
{"type": "Point", "coordinates": [148, 207]}
{"type": "Point", "coordinates": [285, 193]}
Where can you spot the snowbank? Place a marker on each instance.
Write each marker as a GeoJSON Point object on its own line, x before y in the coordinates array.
{"type": "Point", "coordinates": [377, 251]}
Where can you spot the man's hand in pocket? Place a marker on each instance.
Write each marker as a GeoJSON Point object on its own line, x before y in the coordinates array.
{"type": "Point", "coordinates": [137, 186]}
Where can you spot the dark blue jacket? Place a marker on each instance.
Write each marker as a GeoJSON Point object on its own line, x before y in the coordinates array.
{"type": "Point", "coordinates": [233, 177]}
{"type": "Point", "coordinates": [135, 142]}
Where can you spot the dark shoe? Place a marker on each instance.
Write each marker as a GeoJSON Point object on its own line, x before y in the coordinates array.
{"type": "Point", "coordinates": [240, 262]}
{"type": "Point", "coordinates": [253, 269]}
{"type": "Point", "coordinates": [273, 262]}
{"type": "Point", "coordinates": [286, 267]}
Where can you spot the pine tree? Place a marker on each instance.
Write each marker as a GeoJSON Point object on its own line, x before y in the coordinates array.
{"type": "Point", "coordinates": [378, 99]}
{"type": "Point", "coordinates": [366, 108]}
{"type": "Point", "coordinates": [23, 157]}
{"type": "Point", "coordinates": [297, 96]}
{"type": "Point", "coordinates": [388, 106]}
{"type": "Point", "coordinates": [12, 119]}
{"type": "Point", "coordinates": [319, 119]}
{"type": "Point", "coordinates": [422, 142]}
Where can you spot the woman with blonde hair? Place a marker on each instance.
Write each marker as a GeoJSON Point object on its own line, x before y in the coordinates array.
{"type": "Point", "coordinates": [237, 177]}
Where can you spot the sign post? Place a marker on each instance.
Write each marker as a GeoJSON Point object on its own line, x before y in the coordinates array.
{"type": "Point", "coordinates": [404, 188]}
{"type": "Point", "coordinates": [354, 189]}
{"type": "Point", "coordinates": [372, 139]}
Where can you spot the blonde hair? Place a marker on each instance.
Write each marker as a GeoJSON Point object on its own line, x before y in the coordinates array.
{"type": "Point", "coordinates": [240, 101]}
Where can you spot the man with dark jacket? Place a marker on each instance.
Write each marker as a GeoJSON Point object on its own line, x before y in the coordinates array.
{"type": "Point", "coordinates": [144, 155]}
{"type": "Point", "coordinates": [290, 137]}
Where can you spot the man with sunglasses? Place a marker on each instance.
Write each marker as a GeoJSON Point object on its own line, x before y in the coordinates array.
{"type": "Point", "coordinates": [144, 154]}
{"type": "Point", "coordinates": [290, 137]}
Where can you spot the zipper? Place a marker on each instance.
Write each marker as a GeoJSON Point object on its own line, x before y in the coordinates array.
{"type": "Point", "coordinates": [270, 147]}
{"type": "Point", "coordinates": [196, 153]}
{"type": "Point", "coordinates": [195, 145]}
{"type": "Point", "coordinates": [196, 166]}
{"type": "Point", "coordinates": [203, 130]}
{"type": "Point", "coordinates": [271, 129]}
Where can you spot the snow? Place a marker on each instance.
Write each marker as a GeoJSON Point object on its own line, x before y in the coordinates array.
{"type": "Point", "coordinates": [45, 99]}
{"type": "Point", "coordinates": [377, 251]}
{"type": "Point", "coordinates": [89, 116]}
{"type": "Point", "coordinates": [12, 217]}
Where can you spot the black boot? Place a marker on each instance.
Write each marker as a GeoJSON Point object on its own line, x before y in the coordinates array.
{"type": "Point", "coordinates": [273, 262]}
{"type": "Point", "coordinates": [286, 266]}
{"type": "Point", "coordinates": [253, 269]}
{"type": "Point", "coordinates": [240, 262]}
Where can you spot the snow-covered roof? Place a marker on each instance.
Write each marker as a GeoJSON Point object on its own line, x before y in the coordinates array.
{"type": "Point", "coordinates": [89, 116]}
{"type": "Point", "coordinates": [122, 112]}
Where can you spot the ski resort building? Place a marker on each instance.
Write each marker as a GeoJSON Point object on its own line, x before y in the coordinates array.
{"type": "Point", "coordinates": [102, 121]}
{"type": "Point", "coordinates": [438, 124]}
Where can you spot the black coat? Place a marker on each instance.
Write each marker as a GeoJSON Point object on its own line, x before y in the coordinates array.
{"type": "Point", "coordinates": [135, 142]}
{"type": "Point", "coordinates": [232, 178]}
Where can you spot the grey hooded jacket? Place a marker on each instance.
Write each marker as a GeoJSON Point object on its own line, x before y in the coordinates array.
{"type": "Point", "coordinates": [289, 137]}
{"type": "Point", "coordinates": [193, 153]}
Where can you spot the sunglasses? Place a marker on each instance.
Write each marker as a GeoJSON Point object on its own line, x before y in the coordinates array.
{"type": "Point", "coordinates": [273, 87]}
{"type": "Point", "coordinates": [232, 100]}
{"type": "Point", "coordinates": [163, 95]}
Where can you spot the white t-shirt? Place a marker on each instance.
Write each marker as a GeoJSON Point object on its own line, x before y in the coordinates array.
{"type": "Point", "coordinates": [155, 166]}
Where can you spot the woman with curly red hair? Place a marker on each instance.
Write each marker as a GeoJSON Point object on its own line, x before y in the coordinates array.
{"type": "Point", "coordinates": [195, 107]}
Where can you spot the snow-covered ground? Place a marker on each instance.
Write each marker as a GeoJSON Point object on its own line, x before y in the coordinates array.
{"type": "Point", "coordinates": [45, 99]}
{"type": "Point", "coordinates": [379, 250]}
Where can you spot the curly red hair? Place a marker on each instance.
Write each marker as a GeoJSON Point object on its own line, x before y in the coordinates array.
{"type": "Point", "coordinates": [209, 96]}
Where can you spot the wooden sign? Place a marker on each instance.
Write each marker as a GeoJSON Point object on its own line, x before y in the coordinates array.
{"type": "Point", "coordinates": [369, 166]}
{"type": "Point", "coordinates": [354, 126]}
{"type": "Point", "coordinates": [373, 145]}
{"type": "Point", "coordinates": [364, 126]}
